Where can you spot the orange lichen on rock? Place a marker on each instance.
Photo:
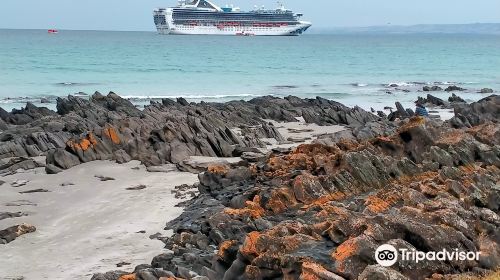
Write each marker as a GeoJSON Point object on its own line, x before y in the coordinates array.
{"type": "Point", "coordinates": [219, 169]}
{"type": "Point", "coordinates": [485, 132]}
{"type": "Point", "coordinates": [128, 277]}
{"type": "Point", "coordinates": [412, 122]}
{"type": "Point", "coordinates": [384, 139]}
{"type": "Point", "coordinates": [92, 138]}
{"type": "Point", "coordinates": [425, 176]}
{"type": "Point", "coordinates": [346, 250]}
{"type": "Point", "coordinates": [281, 166]}
{"type": "Point", "coordinates": [111, 133]}
{"type": "Point", "coordinates": [307, 188]}
{"type": "Point", "coordinates": [315, 149]}
{"type": "Point", "coordinates": [314, 271]}
{"type": "Point", "coordinates": [304, 157]}
{"type": "Point", "coordinates": [470, 169]}
{"type": "Point", "coordinates": [252, 209]}
{"type": "Point", "coordinates": [335, 196]}
{"type": "Point", "coordinates": [329, 210]}
{"type": "Point", "coordinates": [347, 145]}
{"type": "Point", "coordinates": [293, 242]}
{"type": "Point", "coordinates": [224, 246]}
{"type": "Point", "coordinates": [249, 246]}
{"type": "Point", "coordinates": [452, 137]}
{"type": "Point", "coordinates": [281, 199]}
{"type": "Point", "coordinates": [83, 144]}
{"type": "Point", "coordinates": [377, 204]}
{"type": "Point", "coordinates": [253, 272]}
{"type": "Point", "coordinates": [321, 227]}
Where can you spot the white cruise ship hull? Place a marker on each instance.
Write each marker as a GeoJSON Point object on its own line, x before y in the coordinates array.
{"type": "Point", "coordinates": [193, 19]}
{"type": "Point", "coordinates": [235, 31]}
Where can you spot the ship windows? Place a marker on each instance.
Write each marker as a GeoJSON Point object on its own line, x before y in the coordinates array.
{"type": "Point", "coordinates": [160, 20]}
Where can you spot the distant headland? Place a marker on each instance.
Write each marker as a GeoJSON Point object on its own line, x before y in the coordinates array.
{"type": "Point", "coordinates": [473, 28]}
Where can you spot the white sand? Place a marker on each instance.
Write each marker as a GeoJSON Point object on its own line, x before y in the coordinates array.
{"type": "Point", "coordinates": [307, 131]}
{"type": "Point", "coordinates": [444, 114]}
{"type": "Point", "coordinates": [90, 226]}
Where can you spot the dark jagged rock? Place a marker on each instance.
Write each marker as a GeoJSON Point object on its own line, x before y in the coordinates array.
{"type": "Point", "coordinates": [113, 275]}
{"type": "Point", "coordinates": [435, 100]}
{"type": "Point", "coordinates": [400, 113]}
{"type": "Point", "coordinates": [105, 127]}
{"type": "Point", "coordinates": [468, 115]}
{"type": "Point", "coordinates": [454, 88]}
{"type": "Point", "coordinates": [52, 169]}
{"type": "Point", "coordinates": [486, 90]}
{"type": "Point", "coordinates": [10, 234]}
{"type": "Point", "coordinates": [9, 215]}
{"type": "Point", "coordinates": [432, 88]}
{"type": "Point", "coordinates": [182, 101]}
{"type": "Point", "coordinates": [456, 99]}
{"type": "Point", "coordinates": [121, 156]}
{"type": "Point", "coordinates": [62, 159]}
{"type": "Point", "coordinates": [432, 101]}
{"type": "Point", "coordinates": [34, 191]}
{"type": "Point", "coordinates": [401, 110]}
{"type": "Point", "coordinates": [18, 163]}
{"type": "Point", "coordinates": [320, 211]}
{"type": "Point", "coordinates": [368, 131]}
{"type": "Point", "coordinates": [26, 115]}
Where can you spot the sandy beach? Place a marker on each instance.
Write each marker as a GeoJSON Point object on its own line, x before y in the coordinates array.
{"type": "Point", "coordinates": [85, 225]}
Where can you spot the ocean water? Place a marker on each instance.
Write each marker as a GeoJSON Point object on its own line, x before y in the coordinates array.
{"type": "Point", "coordinates": [355, 69]}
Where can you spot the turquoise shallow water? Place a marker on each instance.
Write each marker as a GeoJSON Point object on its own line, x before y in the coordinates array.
{"type": "Point", "coordinates": [354, 69]}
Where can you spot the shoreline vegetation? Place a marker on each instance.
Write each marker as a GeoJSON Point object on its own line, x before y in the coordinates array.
{"type": "Point", "coordinates": [269, 188]}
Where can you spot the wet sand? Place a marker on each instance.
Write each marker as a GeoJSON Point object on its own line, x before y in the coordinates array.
{"type": "Point", "coordinates": [89, 226]}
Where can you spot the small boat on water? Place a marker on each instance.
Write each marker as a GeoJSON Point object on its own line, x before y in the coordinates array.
{"type": "Point", "coordinates": [52, 31]}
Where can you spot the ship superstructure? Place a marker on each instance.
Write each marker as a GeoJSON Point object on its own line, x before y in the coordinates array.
{"type": "Point", "coordinates": [202, 17]}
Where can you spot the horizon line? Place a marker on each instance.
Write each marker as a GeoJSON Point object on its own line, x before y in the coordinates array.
{"type": "Point", "coordinates": [313, 27]}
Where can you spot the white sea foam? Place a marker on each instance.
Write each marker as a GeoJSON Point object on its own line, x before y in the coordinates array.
{"type": "Point", "coordinates": [400, 84]}
{"type": "Point", "coordinates": [359, 85]}
{"type": "Point", "coordinates": [188, 96]}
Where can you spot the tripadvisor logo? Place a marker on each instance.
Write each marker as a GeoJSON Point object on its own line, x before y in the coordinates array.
{"type": "Point", "coordinates": [388, 255]}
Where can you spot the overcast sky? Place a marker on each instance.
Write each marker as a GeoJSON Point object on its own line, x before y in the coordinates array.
{"type": "Point", "coordinates": [137, 14]}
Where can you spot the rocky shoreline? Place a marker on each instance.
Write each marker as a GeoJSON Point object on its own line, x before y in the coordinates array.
{"type": "Point", "coordinates": [317, 211]}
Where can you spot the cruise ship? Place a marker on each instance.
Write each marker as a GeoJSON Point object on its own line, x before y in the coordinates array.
{"type": "Point", "coordinates": [202, 17]}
